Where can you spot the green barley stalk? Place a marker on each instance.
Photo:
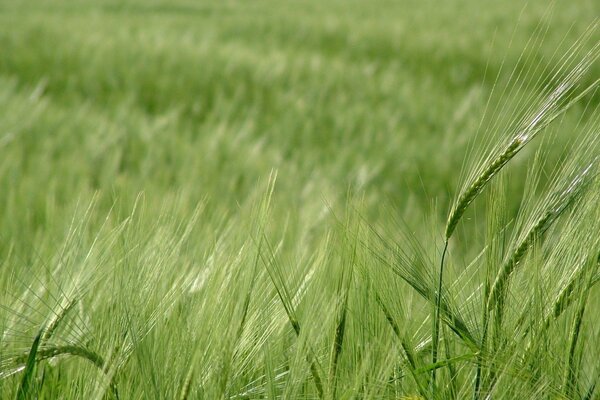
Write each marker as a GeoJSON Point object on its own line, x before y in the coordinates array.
{"type": "Point", "coordinates": [342, 313]}
{"type": "Point", "coordinates": [403, 268]}
{"type": "Point", "coordinates": [436, 321]}
{"type": "Point", "coordinates": [570, 372]}
{"type": "Point", "coordinates": [337, 345]}
{"type": "Point", "coordinates": [495, 229]}
{"type": "Point", "coordinates": [24, 387]}
{"type": "Point", "coordinates": [552, 107]}
{"type": "Point", "coordinates": [451, 368]}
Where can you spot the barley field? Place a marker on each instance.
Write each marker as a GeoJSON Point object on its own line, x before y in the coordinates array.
{"type": "Point", "coordinates": [299, 199]}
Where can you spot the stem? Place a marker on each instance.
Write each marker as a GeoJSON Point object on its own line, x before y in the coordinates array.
{"type": "Point", "coordinates": [476, 391]}
{"type": "Point", "coordinates": [436, 320]}
{"type": "Point", "coordinates": [478, 373]}
{"type": "Point", "coordinates": [452, 370]}
{"type": "Point", "coordinates": [569, 379]}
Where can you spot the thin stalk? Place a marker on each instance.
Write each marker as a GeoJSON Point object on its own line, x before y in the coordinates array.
{"type": "Point", "coordinates": [337, 348]}
{"type": "Point", "coordinates": [426, 291]}
{"type": "Point", "coordinates": [436, 321]}
{"type": "Point", "coordinates": [569, 379]}
{"type": "Point", "coordinates": [23, 392]}
{"type": "Point", "coordinates": [341, 313]}
{"type": "Point", "coordinates": [451, 369]}
{"type": "Point", "coordinates": [478, 373]}
{"type": "Point", "coordinates": [313, 366]}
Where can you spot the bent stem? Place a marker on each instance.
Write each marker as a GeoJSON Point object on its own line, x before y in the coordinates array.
{"type": "Point", "coordinates": [436, 320]}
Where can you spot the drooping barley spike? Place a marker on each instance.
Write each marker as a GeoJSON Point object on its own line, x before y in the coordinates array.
{"type": "Point", "coordinates": [72, 350]}
{"type": "Point", "coordinates": [57, 318]}
{"type": "Point", "coordinates": [566, 296]}
{"type": "Point", "coordinates": [532, 124]}
{"type": "Point", "coordinates": [558, 204]}
{"type": "Point", "coordinates": [467, 196]}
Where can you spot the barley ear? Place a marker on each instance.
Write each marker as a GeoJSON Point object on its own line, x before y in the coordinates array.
{"type": "Point", "coordinates": [56, 351]}
{"type": "Point", "coordinates": [567, 296]}
{"type": "Point", "coordinates": [550, 108]}
{"type": "Point", "coordinates": [467, 196]}
{"type": "Point", "coordinates": [57, 318]}
{"type": "Point", "coordinates": [558, 204]}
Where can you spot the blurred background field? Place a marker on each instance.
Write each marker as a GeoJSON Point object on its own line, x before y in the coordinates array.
{"type": "Point", "coordinates": [202, 100]}
{"type": "Point", "coordinates": [179, 112]}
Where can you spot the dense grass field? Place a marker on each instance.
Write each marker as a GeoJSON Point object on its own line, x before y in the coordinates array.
{"type": "Point", "coordinates": [307, 199]}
